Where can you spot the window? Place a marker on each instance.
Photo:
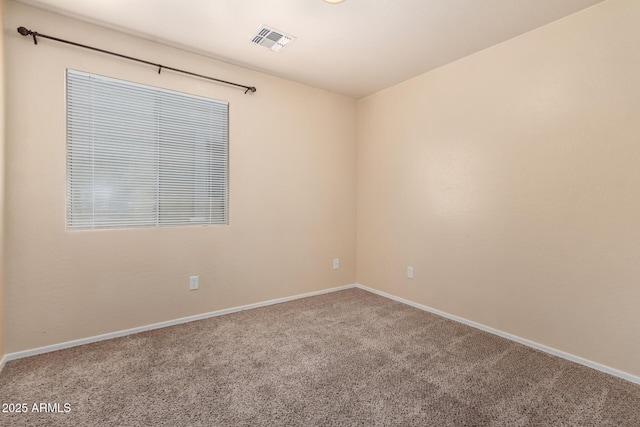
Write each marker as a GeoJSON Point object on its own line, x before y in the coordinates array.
{"type": "Point", "coordinates": [139, 156]}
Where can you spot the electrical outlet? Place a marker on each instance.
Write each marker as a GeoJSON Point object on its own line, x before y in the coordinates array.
{"type": "Point", "coordinates": [194, 283]}
{"type": "Point", "coordinates": [410, 272]}
{"type": "Point", "coordinates": [336, 263]}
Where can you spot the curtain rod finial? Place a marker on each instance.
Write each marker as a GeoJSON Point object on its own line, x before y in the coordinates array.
{"type": "Point", "coordinates": [25, 32]}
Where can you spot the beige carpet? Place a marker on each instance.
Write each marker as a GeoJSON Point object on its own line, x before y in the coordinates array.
{"type": "Point", "coordinates": [345, 358]}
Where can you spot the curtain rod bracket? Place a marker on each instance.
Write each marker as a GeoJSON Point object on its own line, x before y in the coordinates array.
{"type": "Point", "coordinates": [26, 32]}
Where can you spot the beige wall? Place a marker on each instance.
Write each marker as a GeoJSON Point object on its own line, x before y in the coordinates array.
{"type": "Point", "coordinates": [510, 180]}
{"type": "Point", "coordinates": [2, 168]}
{"type": "Point", "coordinates": [292, 196]}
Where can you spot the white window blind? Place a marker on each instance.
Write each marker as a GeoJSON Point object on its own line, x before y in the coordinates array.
{"type": "Point", "coordinates": [139, 156]}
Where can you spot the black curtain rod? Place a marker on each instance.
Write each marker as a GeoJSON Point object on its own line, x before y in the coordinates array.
{"type": "Point", "coordinates": [25, 32]}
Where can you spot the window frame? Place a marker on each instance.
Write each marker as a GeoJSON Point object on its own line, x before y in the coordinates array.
{"type": "Point", "coordinates": [216, 183]}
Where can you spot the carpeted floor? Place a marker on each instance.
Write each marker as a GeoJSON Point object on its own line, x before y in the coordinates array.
{"type": "Point", "coordinates": [345, 358]}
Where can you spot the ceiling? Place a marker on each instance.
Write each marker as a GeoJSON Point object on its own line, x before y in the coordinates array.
{"type": "Point", "coordinates": [355, 48]}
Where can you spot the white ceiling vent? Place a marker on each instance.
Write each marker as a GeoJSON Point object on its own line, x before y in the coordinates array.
{"type": "Point", "coordinates": [273, 39]}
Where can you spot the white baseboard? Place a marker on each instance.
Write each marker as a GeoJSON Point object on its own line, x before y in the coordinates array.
{"type": "Point", "coordinates": [528, 343]}
{"type": "Point", "coordinates": [88, 340]}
